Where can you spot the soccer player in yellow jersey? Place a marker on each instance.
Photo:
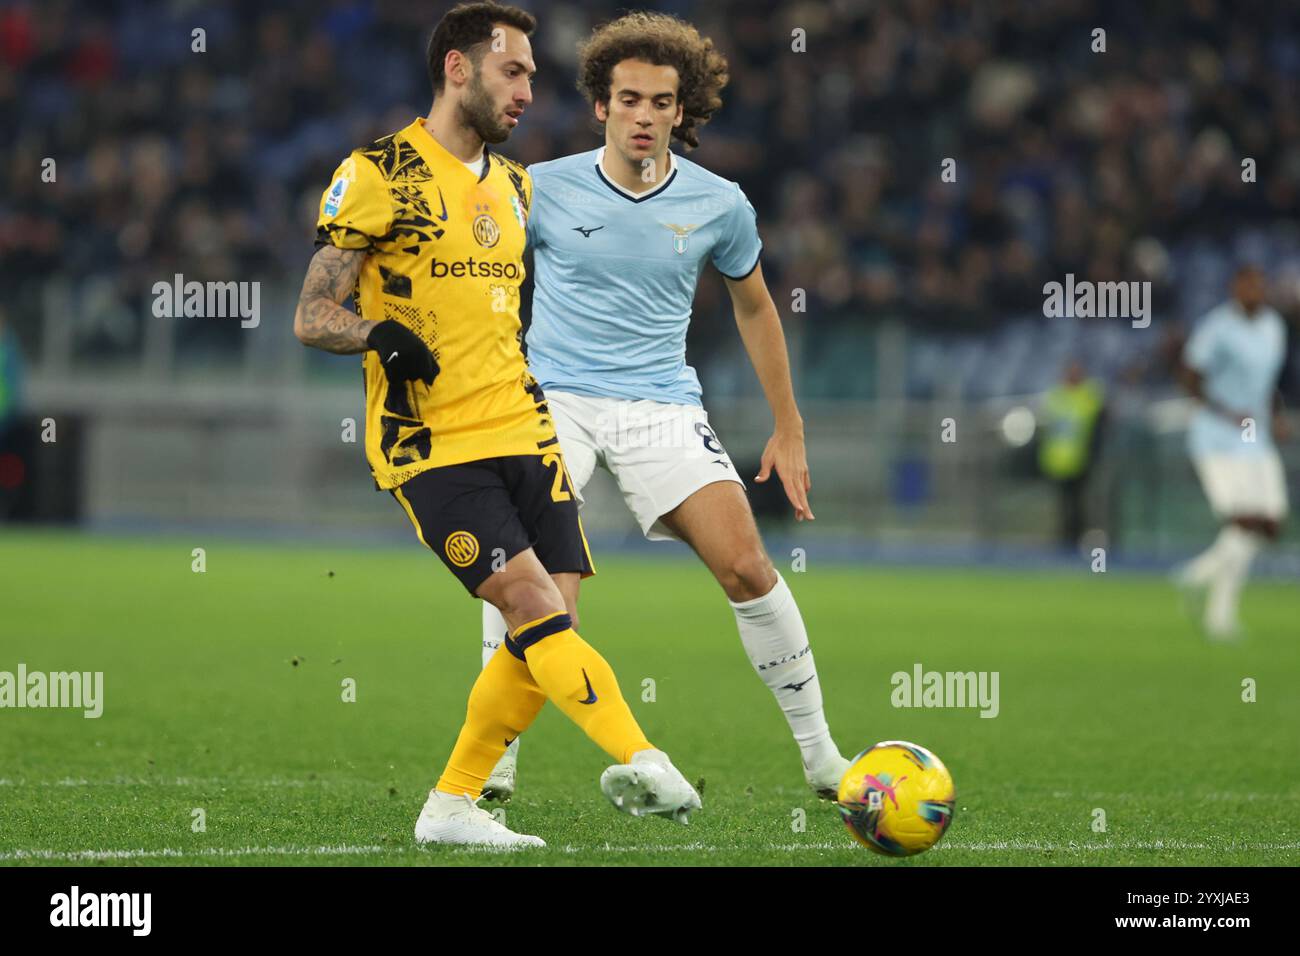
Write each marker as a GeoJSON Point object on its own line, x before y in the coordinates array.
{"type": "Point", "coordinates": [425, 229]}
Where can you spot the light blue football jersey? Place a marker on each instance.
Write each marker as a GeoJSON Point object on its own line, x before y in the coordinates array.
{"type": "Point", "coordinates": [1239, 359]}
{"type": "Point", "coordinates": [615, 275]}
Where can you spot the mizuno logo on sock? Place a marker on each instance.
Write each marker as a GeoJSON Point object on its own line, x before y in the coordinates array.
{"type": "Point", "coordinates": [798, 686]}
{"type": "Point", "coordinates": [591, 694]}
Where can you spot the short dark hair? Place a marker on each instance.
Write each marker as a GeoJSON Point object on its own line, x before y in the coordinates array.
{"type": "Point", "coordinates": [466, 27]}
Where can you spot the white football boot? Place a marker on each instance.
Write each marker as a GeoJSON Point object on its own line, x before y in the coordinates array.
{"type": "Point", "coordinates": [650, 784]}
{"type": "Point", "coordinates": [500, 785]}
{"type": "Point", "coordinates": [1224, 633]}
{"type": "Point", "coordinates": [451, 819]}
{"type": "Point", "coordinates": [1191, 592]}
{"type": "Point", "coordinates": [826, 776]}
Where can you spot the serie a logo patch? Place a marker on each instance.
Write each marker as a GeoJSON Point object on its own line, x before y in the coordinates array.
{"type": "Point", "coordinates": [338, 189]}
{"type": "Point", "coordinates": [335, 196]}
{"type": "Point", "coordinates": [461, 548]}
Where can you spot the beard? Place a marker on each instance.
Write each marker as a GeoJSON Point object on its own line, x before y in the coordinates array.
{"type": "Point", "coordinates": [480, 113]}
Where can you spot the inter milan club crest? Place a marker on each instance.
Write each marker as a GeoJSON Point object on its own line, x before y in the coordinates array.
{"type": "Point", "coordinates": [486, 230]}
{"type": "Point", "coordinates": [681, 236]}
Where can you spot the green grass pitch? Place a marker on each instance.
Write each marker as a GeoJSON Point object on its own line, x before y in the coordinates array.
{"type": "Point", "coordinates": [1109, 700]}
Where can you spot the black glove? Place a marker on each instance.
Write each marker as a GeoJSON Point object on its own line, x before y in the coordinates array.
{"type": "Point", "coordinates": [404, 355]}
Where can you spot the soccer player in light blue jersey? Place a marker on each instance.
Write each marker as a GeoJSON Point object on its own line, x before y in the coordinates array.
{"type": "Point", "coordinates": [620, 236]}
{"type": "Point", "coordinates": [1231, 366]}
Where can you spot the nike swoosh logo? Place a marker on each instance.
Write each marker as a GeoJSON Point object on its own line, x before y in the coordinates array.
{"type": "Point", "coordinates": [799, 686]}
{"type": "Point", "coordinates": [443, 217]}
{"type": "Point", "coordinates": [390, 358]}
{"type": "Point", "coordinates": [591, 694]}
{"type": "Point", "coordinates": [511, 740]}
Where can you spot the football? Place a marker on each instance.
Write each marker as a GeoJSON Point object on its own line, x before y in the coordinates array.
{"type": "Point", "coordinates": [897, 798]}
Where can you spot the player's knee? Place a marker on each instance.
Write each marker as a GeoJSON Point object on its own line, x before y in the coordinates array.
{"type": "Point", "coordinates": [748, 575]}
{"type": "Point", "coordinates": [528, 599]}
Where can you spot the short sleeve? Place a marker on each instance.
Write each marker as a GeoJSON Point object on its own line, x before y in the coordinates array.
{"type": "Point", "coordinates": [736, 253]}
{"type": "Point", "coordinates": [356, 210]}
{"type": "Point", "coordinates": [1199, 351]}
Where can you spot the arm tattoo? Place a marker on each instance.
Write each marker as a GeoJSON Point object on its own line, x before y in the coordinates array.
{"type": "Point", "coordinates": [320, 320]}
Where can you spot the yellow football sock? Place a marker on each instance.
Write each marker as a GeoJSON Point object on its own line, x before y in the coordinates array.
{"type": "Point", "coordinates": [581, 683]}
{"type": "Point", "coordinates": [502, 704]}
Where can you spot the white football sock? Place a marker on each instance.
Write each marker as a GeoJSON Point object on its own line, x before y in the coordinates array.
{"type": "Point", "coordinates": [495, 629]}
{"type": "Point", "coordinates": [772, 630]}
{"type": "Point", "coordinates": [1201, 570]}
{"type": "Point", "coordinates": [1240, 548]}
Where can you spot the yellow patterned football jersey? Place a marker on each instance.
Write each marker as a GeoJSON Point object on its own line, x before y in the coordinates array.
{"type": "Point", "coordinates": [446, 260]}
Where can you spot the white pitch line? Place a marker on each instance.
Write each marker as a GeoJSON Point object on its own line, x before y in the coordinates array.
{"type": "Point", "coordinates": [302, 783]}
{"type": "Point", "coordinates": [1124, 845]}
{"type": "Point", "coordinates": [999, 847]}
{"type": "Point", "coordinates": [189, 782]}
{"type": "Point", "coordinates": [169, 853]}
{"type": "Point", "coordinates": [350, 850]}
{"type": "Point", "coordinates": [1226, 795]}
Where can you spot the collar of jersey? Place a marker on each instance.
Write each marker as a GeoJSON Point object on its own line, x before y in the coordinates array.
{"type": "Point", "coordinates": [437, 155]}
{"type": "Point", "coordinates": [627, 194]}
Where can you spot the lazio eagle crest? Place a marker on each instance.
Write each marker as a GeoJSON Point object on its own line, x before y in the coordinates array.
{"type": "Point", "coordinates": [681, 235]}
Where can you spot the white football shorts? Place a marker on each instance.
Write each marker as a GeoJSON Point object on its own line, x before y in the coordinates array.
{"type": "Point", "coordinates": [1244, 485]}
{"type": "Point", "coordinates": [659, 454]}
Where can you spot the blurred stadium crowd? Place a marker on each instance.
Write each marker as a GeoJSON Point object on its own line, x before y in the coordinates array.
{"type": "Point", "coordinates": [1125, 164]}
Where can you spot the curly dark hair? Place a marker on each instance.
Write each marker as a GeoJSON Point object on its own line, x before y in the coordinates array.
{"type": "Point", "coordinates": [662, 40]}
{"type": "Point", "coordinates": [468, 27]}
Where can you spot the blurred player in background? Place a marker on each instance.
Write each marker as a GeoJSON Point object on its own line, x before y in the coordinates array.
{"type": "Point", "coordinates": [1072, 416]}
{"type": "Point", "coordinates": [426, 227]}
{"type": "Point", "coordinates": [11, 380]}
{"type": "Point", "coordinates": [620, 235]}
{"type": "Point", "coordinates": [11, 395]}
{"type": "Point", "coordinates": [1232, 364]}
